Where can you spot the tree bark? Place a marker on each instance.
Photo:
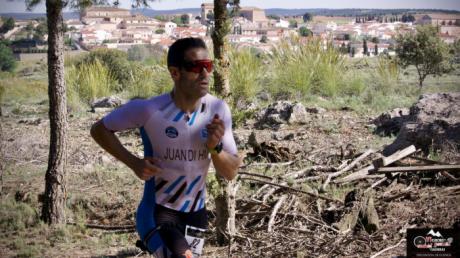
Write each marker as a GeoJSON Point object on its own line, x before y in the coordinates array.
{"type": "Point", "coordinates": [53, 211]}
{"type": "Point", "coordinates": [225, 201]}
{"type": "Point", "coordinates": [225, 210]}
{"type": "Point", "coordinates": [2, 162]}
{"type": "Point", "coordinates": [220, 44]}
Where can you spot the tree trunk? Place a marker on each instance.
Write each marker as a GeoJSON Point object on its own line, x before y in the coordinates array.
{"type": "Point", "coordinates": [53, 211]}
{"type": "Point", "coordinates": [2, 161]}
{"type": "Point", "coordinates": [219, 40]}
{"type": "Point", "coordinates": [225, 201]}
{"type": "Point", "coordinates": [225, 210]}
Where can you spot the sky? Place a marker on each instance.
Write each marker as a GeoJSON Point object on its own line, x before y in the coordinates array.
{"type": "Point", "coordinates": [7, 6]}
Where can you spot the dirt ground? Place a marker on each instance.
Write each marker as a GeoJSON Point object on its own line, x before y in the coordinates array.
{"type": "Point", "coordinates": [101, 191]}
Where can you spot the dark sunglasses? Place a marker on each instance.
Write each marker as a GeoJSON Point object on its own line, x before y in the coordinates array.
{"type": "Point", "coordinates": [198, 65]}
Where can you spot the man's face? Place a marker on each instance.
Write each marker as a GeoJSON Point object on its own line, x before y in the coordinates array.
{"type": "Point", "coordinates": [193, 84]}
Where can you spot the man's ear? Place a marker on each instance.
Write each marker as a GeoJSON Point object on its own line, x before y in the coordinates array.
{"type": "Point", "coordinates": [175, 73]}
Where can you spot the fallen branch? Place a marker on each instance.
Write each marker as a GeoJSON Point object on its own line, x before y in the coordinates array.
{"type": "Point", "coordinates": [130, 228]}
{"type": "Point", "coordinates": [277, 206]}
{"type": "Point", "coordinates": [350, 166]}
{"type": "Point", "coordinates": [388, 248]}
{"type": "Point", "coordinates": [293, 189]}
{"type": "Point", "coordinates": [434, 168]}
{"type": "Point", "coordinates": [385, 161]}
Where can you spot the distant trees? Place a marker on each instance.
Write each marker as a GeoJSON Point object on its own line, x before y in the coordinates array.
{"type": "Point", "coordinates": [425, 50]}
{"type": "Point", "coordinates": [185, 19]}
{"type": "Point", "coordinates": [407, 18]}
{"type": "Point", "coordinates": [304, 32]}
{"type": "Point", "coordinates": [273, 17]}
{"type": "Point", "coordinates": [365, 49]}
{"type": "Point", "coordinates": [264, 39]}
{"type": "Point", "coordinates": [7, 60]}
{"type": "Point", "coordinates": [307, 17]}
{"type": "Point", "coordinates": [210, 16]}
{"type": "Point", "coordinates": [8, 24]}
{"type": "Point", "coordinates": [292, 23]}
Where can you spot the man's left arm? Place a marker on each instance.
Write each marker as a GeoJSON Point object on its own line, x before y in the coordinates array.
{"type": "Point", "coordinates": [224, 161]}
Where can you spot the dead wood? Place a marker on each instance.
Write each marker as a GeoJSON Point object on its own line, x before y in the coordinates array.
{"type": "Point", "coordinates": [433, 168]}
{"type": "Point", "coordinates": [293, 189]}
{"type": "Point", "coordinates": [277, 206]}
{"type": "Point", "coordinates": [385, 161]}
{"type": "Point", "coordinates": [350, 166]}
{"type": "Point", "coordinates": [359, 207]}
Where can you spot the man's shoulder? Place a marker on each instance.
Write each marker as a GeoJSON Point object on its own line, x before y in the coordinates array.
{"type": "Point", "coordinates": [214, 101]}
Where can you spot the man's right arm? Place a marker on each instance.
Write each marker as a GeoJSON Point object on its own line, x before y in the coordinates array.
{"type": "Point", "coordinates": [143, 168]}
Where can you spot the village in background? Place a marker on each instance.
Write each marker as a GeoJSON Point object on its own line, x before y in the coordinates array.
{"type": "Point", "coordinates": [359, 33]}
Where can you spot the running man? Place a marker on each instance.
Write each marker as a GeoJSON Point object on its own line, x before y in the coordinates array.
{"type": "Point", "coordinates": [182, 131]}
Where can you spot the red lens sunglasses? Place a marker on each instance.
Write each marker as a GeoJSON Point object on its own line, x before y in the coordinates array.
{"type": "Point", "coordinates": [198, 65]}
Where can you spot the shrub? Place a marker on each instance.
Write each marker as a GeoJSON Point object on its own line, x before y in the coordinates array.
{"type": "Point", "coordinates": [149, 81]}
{"type": "Point", "coordinates": [7, 60]}
{"type": "Point", "coordinates": [245, 72]}
{"type": "Point", "coordinates": [89, 81]}
{"type": "Point", "coordinates": [116, 61]}
{"type": "Point", "coordinates": [299, 68]}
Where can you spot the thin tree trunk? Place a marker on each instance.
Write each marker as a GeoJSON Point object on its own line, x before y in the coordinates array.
{"type": "Point", "coordinates": [53, 211]}
{"type": "Point", "coordinates": [219, 40]}
{"type": "Point", "coordinates": [2, 161]}
{"type": "Point", "coordinates": [225, 201]}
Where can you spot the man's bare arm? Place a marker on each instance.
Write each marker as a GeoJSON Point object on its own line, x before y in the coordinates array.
{"type": "Point", "coordinates": [226, 164]}
{"type": "Point", "coordinates": [143, 168]}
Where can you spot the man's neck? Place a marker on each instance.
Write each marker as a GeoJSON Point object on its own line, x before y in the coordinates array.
{"type": "Point", "coordinates": [184, 103]}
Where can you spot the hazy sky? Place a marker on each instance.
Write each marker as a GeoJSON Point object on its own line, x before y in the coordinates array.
{"type": "Point", "coordinates": [19, 6]}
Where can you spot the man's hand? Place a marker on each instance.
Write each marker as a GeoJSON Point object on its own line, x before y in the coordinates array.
{"type": "Point", "coordinates": [216, 130]}
{"type": "Point", "coordinates": [146, 168]}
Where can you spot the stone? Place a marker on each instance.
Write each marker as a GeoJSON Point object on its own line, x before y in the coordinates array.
{"type": "Point", "coordinates": [107, 102]}
{"type": "Point", "coordinates": [433, 124]}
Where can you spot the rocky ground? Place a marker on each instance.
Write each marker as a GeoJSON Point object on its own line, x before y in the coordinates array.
{"type": "Point", "coordinates": [283, 207]}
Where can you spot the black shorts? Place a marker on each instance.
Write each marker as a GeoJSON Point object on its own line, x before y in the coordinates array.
{"type": "Point", "coordinates": [173, 223]}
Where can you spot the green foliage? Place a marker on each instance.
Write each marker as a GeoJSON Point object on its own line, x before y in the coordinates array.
{"type": "Point", "coordinates": [88, 82]}
{"type": "Point", "coordinates": [7, 60]}
{"type": "Point", "coordinates": [8, 24]}
{"type": "Point", "coordinates": [245, 73]}
{"type": "Point", "coordinates": [307, 17]}
{"type": "Point", "coordinates": [116, 60]}
{"type": "Point", "coordinates": [16, 216]}
{"type": "Point", "coordinates": [264, 39]}
{"type": "Point", "coordinates": [160, 31]}
{"type": "Point", "coordinates": [425, 50]}
{"type": "Point", "coordinates": [149, 81]}
{"type": "Point", "coordinates": [185, 19]}
{"type": "Point", "coordinates": [304, 32]}
{"type": "Point", "coordinates": [299, 69]}
{"type": "Point", "coordinates": [273, 17]}
{"type": "Point", "coordinates": [387, 71]}
{"type": "Point", "coordinates": [292, 24]}
{"type": "Point", "coordinates": [137, 53]}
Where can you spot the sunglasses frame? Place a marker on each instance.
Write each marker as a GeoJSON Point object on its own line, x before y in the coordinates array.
{"type": "Point", "coordinates": [198, 65]}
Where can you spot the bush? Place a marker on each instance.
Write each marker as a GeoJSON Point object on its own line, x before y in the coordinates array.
{"type": "Point", "coordinates": [299, 68]}
{"type": "Point", "coordinates": [138, 53]}
{"type": "Point", "coordinates": [245, 73]}
{"type": "Point", "coordinates": [88, 82]}
{"type": "Point", "coordinates": [149, 81]}
{"type": "Point", "coordinates": [7, 60]}
{"type": "Point", "coordinates": [116, 60]}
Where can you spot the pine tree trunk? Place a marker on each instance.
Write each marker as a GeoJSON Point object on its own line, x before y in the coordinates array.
{"type": "Point", "coordinates": [225, 201]}
{"type": "Point", "coordinates": [219, 40]}
{"type": "Point", "coordinates": [2, 161]}
{"type": "Point", "coordinates": [55, 179]}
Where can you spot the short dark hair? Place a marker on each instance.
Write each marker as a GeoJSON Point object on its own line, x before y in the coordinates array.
{"type": "Point", "coordinates": [177, 50]}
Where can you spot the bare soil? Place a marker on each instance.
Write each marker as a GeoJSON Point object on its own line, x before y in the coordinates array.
{"type": "Point", "coordinates": [102, 191]}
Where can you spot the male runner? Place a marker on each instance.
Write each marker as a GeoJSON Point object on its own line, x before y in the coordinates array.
{"type": "Point", "coordinates": [182, 132]}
